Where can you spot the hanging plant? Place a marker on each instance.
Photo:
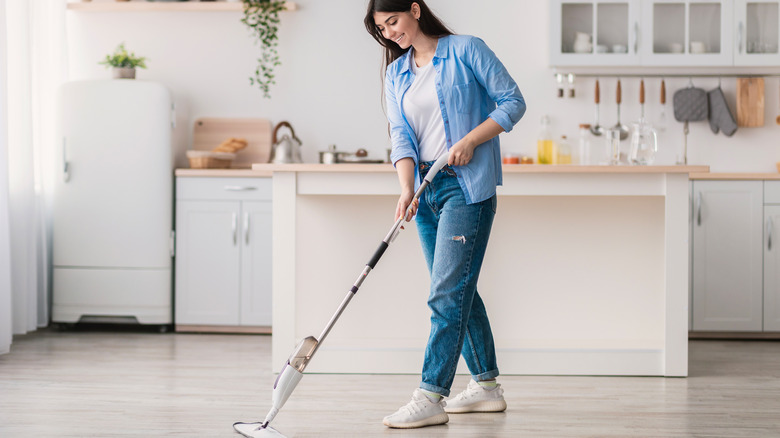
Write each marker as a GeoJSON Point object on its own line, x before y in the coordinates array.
{"type": "Point", "coordinates": [262, 17]}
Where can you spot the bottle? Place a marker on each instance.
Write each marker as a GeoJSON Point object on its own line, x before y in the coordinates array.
{"type": "Point", "coordinates": [583, 147]}
{"type": "Point", "coordinates": [545, 149]}
{"type": "Point", "coordinates": [563, 151]}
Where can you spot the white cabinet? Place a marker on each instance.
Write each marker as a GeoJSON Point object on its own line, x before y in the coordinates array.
{"type": "Point", "coordinates": [727, 255]}
{"type": "Point", "coordinates": [757, 37]}
{"type": "Point", "coordinates": [772, 256]}
{"type": "Point", "coordinates": [611, 29]}
{"type": "Point", "coordinates": [223, 252]}
{"type": "Point", "coordinates": [687, 33]}
{"type": "Point", "coordinates": [660, 33]}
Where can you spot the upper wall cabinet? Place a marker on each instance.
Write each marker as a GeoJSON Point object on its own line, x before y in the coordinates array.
{"type": "Point", "coordinates": [595, 33]}
{"type": "Point", "coordinates": [687, 33]}
{"type": "Point", "coordinates": [757, 36]}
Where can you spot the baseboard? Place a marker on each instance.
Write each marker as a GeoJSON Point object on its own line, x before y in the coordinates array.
{"type": "Point", "coordinates": [733, 335]}
{"type": "Point", "coordinates": [190, 328]}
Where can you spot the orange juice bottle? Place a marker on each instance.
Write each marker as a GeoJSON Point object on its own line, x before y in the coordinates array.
{"type": "Point", "coordinates": [545, 147]}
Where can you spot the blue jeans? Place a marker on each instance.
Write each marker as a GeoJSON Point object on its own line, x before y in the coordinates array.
{"type": "Point", "coordinates": [454, 237]}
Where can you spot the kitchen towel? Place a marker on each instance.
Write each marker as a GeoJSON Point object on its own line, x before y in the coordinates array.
{"type": "Point", "coordinates": [721, 117]}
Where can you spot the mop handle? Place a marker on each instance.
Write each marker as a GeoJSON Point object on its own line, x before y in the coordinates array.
{"type": "Point", "coordinates": [432, 172]}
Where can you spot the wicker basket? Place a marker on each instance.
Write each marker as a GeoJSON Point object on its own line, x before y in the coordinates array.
{"type": "Point", "coordinates": [210, 160]}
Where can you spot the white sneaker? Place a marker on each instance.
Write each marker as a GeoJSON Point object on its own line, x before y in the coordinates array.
{"type": "Point", "coordinates": [476, 398]}
{"type": "Point", "coordinates": [419, 412]}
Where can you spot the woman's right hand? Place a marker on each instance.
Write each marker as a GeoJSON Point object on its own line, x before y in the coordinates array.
{"type": "Point", "coordinates": [406, 206]}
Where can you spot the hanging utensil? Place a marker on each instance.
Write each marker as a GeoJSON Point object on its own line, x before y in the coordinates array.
{"type": "Point", "coordinates": [661, 126]}
{"type": "Point", "coordinates": [597, 129]}
{"type": "Point", "coordinates": [623, 128]}
{"type": "Point", "coordinates": [690, 105]}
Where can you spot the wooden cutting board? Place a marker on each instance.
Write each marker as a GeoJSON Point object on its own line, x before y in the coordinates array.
{"type": "Point", "coordinates": [750, 102]}
{"type": "Point", "coordinates": [208, 133]}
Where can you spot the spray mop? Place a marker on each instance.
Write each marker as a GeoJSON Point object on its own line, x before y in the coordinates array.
{"type": "Point", "coordinates": [292, 372]}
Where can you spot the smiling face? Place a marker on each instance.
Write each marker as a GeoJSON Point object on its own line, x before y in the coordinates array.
{"type": "Point", "coordinates": [401, 28]}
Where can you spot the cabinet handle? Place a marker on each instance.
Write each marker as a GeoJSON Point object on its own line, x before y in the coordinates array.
{"type": "Point", "coordinates": [740, 28]}
{"type": "Point", "coordinates": [698, 210]}
{"type": "Point", "coordinates": [65, 164]}
{"type": "Point", "coordinates": [246, 228]}
{"type": "Point", "coordinates": [239, 188]}
{"type": "Point", "coordinates": [636, 37]}
{"type": "Point", "coordinates": [769, 234]}
{"type": "Point", "coordinates": [235, 228]}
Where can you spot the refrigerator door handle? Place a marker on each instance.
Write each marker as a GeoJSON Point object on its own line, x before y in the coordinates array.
{"type": "Point", "coordinates": [65, 164]}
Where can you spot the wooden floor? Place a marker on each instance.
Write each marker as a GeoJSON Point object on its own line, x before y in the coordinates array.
{"type": "Point", "coordinates": [123, 383]}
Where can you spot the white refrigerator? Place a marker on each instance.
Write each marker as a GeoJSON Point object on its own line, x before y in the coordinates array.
{"type": "Point", "coordinates": [113, 204]}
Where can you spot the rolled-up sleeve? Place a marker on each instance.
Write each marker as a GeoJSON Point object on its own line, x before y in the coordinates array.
{"type": "Point", "coordinates": [494, 77]}
{"type": "Point", "coordinates": [400, 139]}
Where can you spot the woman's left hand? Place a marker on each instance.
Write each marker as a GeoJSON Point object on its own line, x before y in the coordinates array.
{"type": "Point", "coordinates": [461, 153]}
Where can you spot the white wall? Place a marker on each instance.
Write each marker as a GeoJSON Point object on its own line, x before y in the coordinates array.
{"type": "Point", "coordinates": [329, 84]}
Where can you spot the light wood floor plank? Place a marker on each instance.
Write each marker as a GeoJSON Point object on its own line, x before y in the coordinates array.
{"type": "Point", "coordinates": [127, 384]}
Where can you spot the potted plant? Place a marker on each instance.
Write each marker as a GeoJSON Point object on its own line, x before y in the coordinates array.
{"type": "Point", "coordinates": [262, 17]}
{"type": "Point", "coordinates": [124, 63]}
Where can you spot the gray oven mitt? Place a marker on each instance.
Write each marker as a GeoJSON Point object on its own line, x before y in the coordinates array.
{"type": "Point", "coordinates": [720, 114]}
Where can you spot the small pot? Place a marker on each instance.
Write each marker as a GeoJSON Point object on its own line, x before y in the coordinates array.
{"type": "Point", "coordinates": [124, 73]}
{"type": "Point", "coordinates": [332, 156]}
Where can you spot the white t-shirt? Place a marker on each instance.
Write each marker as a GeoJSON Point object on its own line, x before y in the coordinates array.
{"type": "Point", "coordinates": [421, 106]}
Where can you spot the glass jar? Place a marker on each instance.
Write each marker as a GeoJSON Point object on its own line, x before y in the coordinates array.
{"type": "Point", "coordinates": [545, 149]}
{"type": "Point", "coordinates": [563, 151]}
{"type": "Point", "coordinates": [583, 146]}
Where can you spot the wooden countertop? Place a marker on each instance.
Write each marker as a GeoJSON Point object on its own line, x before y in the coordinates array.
{"type": "Point", "coordinates": [267, 170]}
{"type": "Point", "coordinates": [511, 168]}
{"type": "Point", "coordinates": [734, 176]}
{"type": "Point", "coordinates": [223, 173]}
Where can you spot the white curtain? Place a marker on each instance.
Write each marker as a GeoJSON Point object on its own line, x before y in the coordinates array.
{"type": "Point", "coordinates": [5, 234]}
{"type": "Point", "coordinates": [35, 65]}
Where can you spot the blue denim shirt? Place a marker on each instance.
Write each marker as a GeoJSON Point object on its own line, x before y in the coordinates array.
{"type": "Point", "coordinates": [472, 85]}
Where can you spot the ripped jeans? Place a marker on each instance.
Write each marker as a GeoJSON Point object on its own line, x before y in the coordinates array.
{"type": "Point", "coordinates": [454, 237]}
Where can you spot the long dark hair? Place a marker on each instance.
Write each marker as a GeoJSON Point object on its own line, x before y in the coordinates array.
{"type": "Point", "coordinates": [430, 25]}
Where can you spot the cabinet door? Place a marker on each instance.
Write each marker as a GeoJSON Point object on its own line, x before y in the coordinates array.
{"type": "Point", "coordinates": [687, 33]}
{"type": "Point", "coordinates": [772, 268]}
{"type": "Point", "coordinates": [207, 262]}
{"type": "Point", "coordinates": [727, 255]}
{"type": "Point", "coordinates": [757, 37]}
{"type": "Point", "coordinates": [585, 33]}
{"type": "Point", "coordinates": [255, 307]}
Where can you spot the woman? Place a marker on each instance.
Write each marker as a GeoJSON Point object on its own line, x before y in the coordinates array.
{"type": "Point", "coordinates": [447, 94]}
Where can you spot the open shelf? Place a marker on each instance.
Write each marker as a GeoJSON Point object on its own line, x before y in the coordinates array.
{"type": "Point", "coordinates": [145, 6]}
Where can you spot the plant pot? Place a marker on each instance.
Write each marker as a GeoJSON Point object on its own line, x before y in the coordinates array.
{"type": "Point", "coordinates": [124, 73]}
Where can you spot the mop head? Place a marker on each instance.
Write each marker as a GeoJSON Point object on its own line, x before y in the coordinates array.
{"type": "Point", "coordinates": [256, 430]}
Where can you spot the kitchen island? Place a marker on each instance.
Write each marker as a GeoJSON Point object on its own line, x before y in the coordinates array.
{"type": "Point", "coordinates": [586, 272]}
